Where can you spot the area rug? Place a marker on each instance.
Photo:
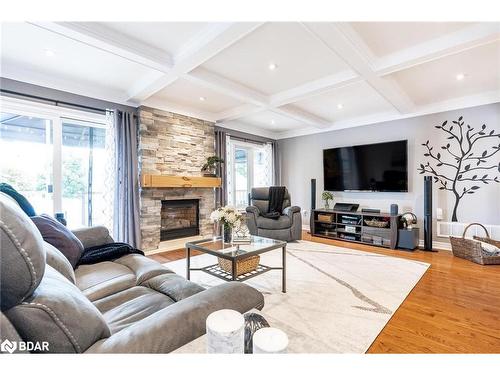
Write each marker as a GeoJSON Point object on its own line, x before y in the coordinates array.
{"type": "Point", "coordinates": [337, 301]}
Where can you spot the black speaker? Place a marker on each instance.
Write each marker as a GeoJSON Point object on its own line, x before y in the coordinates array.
{"type": "Point", "coordinates": [313, 194]}
{"type": "Point", "coordinates": [394, 209]}
{"type": "Point", "coordinates": [428, 213]}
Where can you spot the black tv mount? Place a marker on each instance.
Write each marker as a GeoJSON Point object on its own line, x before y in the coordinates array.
{"type": "Point", "coordinates": [347, 207]}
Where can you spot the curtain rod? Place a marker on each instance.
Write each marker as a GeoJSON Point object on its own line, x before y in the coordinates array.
{"type": "Point", "coordinates": [57, 103]}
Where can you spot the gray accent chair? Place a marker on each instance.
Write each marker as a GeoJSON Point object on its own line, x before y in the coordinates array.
{"type": "Point", "coordinates": [287, 228]}
{"type": "Point", "coordinates": [130, 305]}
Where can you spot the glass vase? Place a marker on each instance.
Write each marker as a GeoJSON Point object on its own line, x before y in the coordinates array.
{"type": "Point", "coordinates": [227, 233]}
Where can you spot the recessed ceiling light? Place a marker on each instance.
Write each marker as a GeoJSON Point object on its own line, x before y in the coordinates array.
{"type": "Point", "coordinates": [340, 106]}
{"type": "Point", "coordinates": [272, 122]}
{"type": "Point", "coordinates": [460, 76]}
{"type": "Point", "coordinates": [49, 53]}
{"type": "Point", "coordinates": [202, 98]}
{"type": "Point", "coordinates": [273, 66]}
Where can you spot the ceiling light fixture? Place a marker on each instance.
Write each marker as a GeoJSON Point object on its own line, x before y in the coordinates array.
{"type": "Point", "coordinates": [49, 53]}
{"type": "Point", "coordinates": [273, 66]}
{"type": "Point", "coordinates": [273, 122]}
{"type": "Point", "coordinates": [460, 76]}
{"type": "Point", "coordinates": [340, 106]}
{"type": "Point", "coordinates": [202, 98]}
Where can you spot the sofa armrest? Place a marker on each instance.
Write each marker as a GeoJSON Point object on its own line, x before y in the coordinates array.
{"type": "Point", "coordinates": [181, 322]}
{"type": "Point", "coordinates": [290, 210]}
{"type": "Point", "coordinates": [253, 210]}
{"type": "Point", "coordinates": [93, 236]}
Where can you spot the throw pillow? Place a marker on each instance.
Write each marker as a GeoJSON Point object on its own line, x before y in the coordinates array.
{"type": "Point", "coordinates": [19, 198]}
{"type": "Point", "coordinates": [60, 237]}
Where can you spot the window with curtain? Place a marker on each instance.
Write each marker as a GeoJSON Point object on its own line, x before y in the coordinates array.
{"type": "Point", "coordinates": [56, 158]}
{"type": "Point", "coordinates": [248, 165]}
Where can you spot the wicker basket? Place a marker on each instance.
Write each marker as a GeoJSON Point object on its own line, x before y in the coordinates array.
{"type": "Point", "coordinates": [470, 249]}
{"type": "Point", "coordinates": [377, 223]}
{"type": "Point", "coordinates": [242, 266]}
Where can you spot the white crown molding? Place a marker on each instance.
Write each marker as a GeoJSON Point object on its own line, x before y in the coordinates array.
{"type": "Point", "coordinates": [248, 128]}
{"type": "Point", "coordinates": [237, 112]}
{"type": "Point", "coordinates": [105, 39]}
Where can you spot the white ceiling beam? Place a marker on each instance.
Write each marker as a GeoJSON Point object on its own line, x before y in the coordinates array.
{"type": "Point", "coordinates": [466, 38]}
{"type": "Point", "coordinates": [302, 116]}
{"type": "Point", "coordinates": [238, 112]}
{"type": "Point", "coordinates": [336, 37]}
{"type": "Point", "coordinates": [201, 48]}
{"type": "Point", "coordinates": [105, 39]}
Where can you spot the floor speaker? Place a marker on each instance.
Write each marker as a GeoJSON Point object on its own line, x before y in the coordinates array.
{"type": "Point", "coordinates": [428, 213]}
{"type": "Point", "coordinates": [313, 204]}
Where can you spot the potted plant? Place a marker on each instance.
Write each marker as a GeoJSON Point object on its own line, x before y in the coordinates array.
{"type": "Point", "coordinates": [228, 218]}
{"type": "Point", "coordinates": [327, 197]}
{"type": "Point", "coordinates": [209, 169]}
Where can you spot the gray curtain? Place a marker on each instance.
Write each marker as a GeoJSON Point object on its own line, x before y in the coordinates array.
{"type": "Point", "coordinates": [220, 151]}
{"type": "Point", "coordinates": [276, 163]}
{"type": "Point", "coordinates": [126, 200]}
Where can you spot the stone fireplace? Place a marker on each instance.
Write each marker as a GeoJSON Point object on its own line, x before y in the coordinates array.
{"type": "Point", "coordinates": [174, 145]}
{"type": "Point", "coordinates": [179, 218]}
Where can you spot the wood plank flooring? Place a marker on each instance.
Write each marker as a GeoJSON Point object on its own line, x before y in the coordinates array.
{"type": "Point", "coordinates": [455, 308]}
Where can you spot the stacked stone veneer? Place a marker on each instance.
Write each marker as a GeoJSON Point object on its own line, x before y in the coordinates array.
{"type": "Point", "coordinates": [172, 144]}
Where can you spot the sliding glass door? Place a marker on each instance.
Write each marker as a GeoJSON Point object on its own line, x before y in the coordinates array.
{"type": "Point", "coordinates": [56, 158]}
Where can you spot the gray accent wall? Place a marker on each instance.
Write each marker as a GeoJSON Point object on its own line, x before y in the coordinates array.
{"type": "Point", "coordinates": [302, 160]}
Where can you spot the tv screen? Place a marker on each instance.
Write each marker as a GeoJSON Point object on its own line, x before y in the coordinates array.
{"type": "Point", "coordinates": [373, 167]}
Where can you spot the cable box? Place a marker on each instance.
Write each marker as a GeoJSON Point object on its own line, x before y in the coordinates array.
{"type": "Point", "coordinates": [371, 210]}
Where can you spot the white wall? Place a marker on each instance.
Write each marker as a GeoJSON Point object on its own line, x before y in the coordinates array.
{"type": "Point", "coordinates": [302, 161]}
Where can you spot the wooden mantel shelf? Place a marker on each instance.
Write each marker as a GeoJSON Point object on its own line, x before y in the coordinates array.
{"type": "Point", "coordinates": [159, 181]}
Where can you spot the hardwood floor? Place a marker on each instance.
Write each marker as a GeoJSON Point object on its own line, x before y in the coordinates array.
{"type": "Point", "coordinates": [455, 307]}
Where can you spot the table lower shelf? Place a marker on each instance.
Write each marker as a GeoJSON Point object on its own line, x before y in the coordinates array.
{"type": "Point", "coordinates": [217, 271]}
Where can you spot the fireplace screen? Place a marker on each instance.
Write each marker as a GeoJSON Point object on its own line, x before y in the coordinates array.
{"type": "Point", "coordinates": [179, 218]}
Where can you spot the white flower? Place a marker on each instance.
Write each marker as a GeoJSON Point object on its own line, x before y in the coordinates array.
{"type": "Point", "coordinates": [215, 216]}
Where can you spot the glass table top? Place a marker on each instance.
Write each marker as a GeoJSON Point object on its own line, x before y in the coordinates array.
{"type": "Point", "coordinates": [215, 246]}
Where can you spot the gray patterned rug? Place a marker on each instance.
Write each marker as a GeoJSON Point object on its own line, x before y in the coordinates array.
{"type": "Point", "coordinates": [337, 301]}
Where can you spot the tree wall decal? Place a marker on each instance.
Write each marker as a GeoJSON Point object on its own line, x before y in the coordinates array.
{"type": "Point", "coordinates": [460, 169]}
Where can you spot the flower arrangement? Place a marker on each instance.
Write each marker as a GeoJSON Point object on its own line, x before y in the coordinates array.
{"type": "Point", "coordinates": [229, 218]}
{"type": "Point", "coordinates": [228, 215]}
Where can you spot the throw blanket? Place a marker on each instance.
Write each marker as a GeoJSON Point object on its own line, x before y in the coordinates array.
{"type": "Point", "coordinates": [105, 252]}
{"type": "Point", "coordinates": [276, 198]}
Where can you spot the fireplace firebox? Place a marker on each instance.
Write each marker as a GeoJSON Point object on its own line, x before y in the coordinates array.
{"type": "Point", "coordinates": [179, 218]}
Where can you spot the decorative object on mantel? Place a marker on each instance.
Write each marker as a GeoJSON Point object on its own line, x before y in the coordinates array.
{"type": "Point", "coordinates": [327, 197]}
{"type": "Point", "coordinates": [253, 322]}
{"type": "Point", "coordinates": [228, 218]}
{"type": "Point", "coordinates": [209, 169]}
{"type": "Point", "coordinates": [479, 250]}
{"type": "Point", "coordinates": [466, 165]}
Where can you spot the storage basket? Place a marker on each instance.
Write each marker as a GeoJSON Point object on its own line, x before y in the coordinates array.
{"type": "Point", "coordinates": [377, 223]}
{"type": "Point", "coordinates": [242, 266]}
{"type": "Point", "coordinates": [471, 249]}
{"type": "Point", "coordinates": [325, 218]}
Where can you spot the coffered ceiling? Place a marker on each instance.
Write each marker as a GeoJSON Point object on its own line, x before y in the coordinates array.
{"type": "Point", "coordinates": [273, 79]}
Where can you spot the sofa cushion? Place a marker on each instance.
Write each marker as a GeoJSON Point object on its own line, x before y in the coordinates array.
{"type": "Point", "coordinates": [19, 198]}
{"type": "Point", "coordinates": [129, 306]}
{"type": "Point", "coordinates": [143, 268]}
{"type": "Point", "coordinates": [57, 312]}
{"type": "Point", "coordinates": [59, 262]}
{"type": "Point", "coordinates": [174, 286]}
{"type": "Point", "coordinates": [8, 332]}
{"type": "Point", "coordinates": [60, 237]}
{"type": "Point", "coordinates": [22, 256]}
{"type": "Point", "coordinates": [283, 222]}
{"type": "Point", "coordinates": [102, 279]}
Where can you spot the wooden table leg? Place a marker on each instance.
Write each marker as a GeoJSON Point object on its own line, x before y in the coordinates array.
{"type": "Point", "coordinates": [283, 271]}
{"type": "Point", "coordinates": [188, 262]}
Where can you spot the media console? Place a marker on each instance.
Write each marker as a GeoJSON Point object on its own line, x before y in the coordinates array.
{"type": "Point", "coordinates": [360, 227]}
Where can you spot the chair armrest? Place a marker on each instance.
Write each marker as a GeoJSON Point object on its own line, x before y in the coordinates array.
{"type": "Point", "coordinates": [289, 211]}
{"type": "Point", "coordinates": [253, 210]}
{"type": "Point", "coordinates": [181, 322]}
{"type": "Point", "coordinates": [93, 236]}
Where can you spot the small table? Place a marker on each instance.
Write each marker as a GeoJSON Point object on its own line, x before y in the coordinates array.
{"type": "Point", "coordinates": [234, 253]}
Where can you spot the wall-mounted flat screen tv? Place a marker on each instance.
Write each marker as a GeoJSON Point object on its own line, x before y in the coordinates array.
{"type": "Point", "coordinates": [372, 167]}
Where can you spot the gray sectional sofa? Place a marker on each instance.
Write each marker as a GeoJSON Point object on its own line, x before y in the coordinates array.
{"type": "Point", "coordinates": [130, 305]}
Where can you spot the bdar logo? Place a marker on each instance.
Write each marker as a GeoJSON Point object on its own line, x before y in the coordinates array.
{"type": "Point", "coordinates": [8, 346]}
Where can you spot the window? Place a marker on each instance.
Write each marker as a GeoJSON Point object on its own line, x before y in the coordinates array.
{"type": "Point", "coordinates": [56, 158]}
{"type": "Point", "coordinates": [248, 165]}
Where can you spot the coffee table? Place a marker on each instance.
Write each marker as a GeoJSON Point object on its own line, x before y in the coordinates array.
{"type": "Point", "coordinates": [235, 252]}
